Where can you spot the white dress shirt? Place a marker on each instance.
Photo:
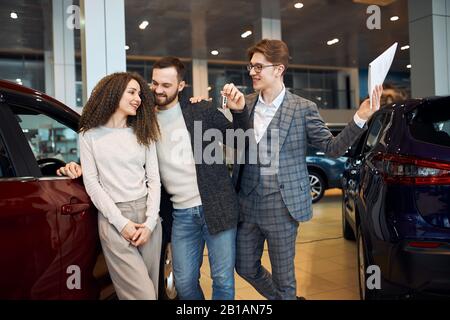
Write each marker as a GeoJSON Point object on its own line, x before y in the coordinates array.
{"type": "Point", "coordinates": [359, 122]}
{"type": "Point", "coordinates": [264, 113]}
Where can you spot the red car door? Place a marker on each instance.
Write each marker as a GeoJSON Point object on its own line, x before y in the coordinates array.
{"type": "Point", "coordinates": [29, 258]}
{"type": "Point", "coordinates": [77, 237]}
{"type": "Point", "coordinates": [51, 217]}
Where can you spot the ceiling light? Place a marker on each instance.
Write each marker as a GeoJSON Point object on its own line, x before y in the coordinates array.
{"type": "Point", "coordinates": [298, 5]}
{"type": "Point", "coordinates": [127, 47]}
{"type": "Point", "coordinates": [209, 88]}
{"type": "Point", "coordinates": [404, 47]}
{"type": "Point", "coordinates": [13, 15]}
{"type": "Point", "coordinates": [214, 52]}
{"type": "Point", "coordinates": [331, 42]}
{"type": "Point", "coordinates": [246, 34]}
{"type": "Point", "coordinates": [143, 25]}
{"type": "Point", "coordinates": [394, 18]}
{"type": "Point", "coordinates": [408, 66]}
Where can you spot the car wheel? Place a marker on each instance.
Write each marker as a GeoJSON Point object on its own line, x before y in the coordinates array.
{"type": "Point", "coordinates": [167, 290]}
{"type": "Point", "coordinates": [317, 186]}
{"type": "Point", "coordinates": [363, 263]}
{"type": "Point", "coordinates": [347, 230]}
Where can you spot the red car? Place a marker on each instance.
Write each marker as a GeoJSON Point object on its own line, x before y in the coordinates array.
{"type": "Point", "coordinates": [49, 245]}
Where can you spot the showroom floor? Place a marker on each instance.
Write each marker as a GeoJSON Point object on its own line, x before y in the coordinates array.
{"type": "Point", "coordinates": [325, 263]}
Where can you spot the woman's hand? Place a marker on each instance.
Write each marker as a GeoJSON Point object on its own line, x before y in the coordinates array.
{"type": "Point", "coordinates": [72, 170]}
{"type": "Point", "coordinates": [141, 236]}
{"type": "Point", "coordinates": [129, 231]}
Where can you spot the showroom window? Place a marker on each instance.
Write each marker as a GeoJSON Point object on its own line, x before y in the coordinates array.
{"type": "Point", "coordinates": [220, 74]}
{"type": "Point", "coordinates": [26, 46]}
{"type": "Point", "coordinates": [321, 87]}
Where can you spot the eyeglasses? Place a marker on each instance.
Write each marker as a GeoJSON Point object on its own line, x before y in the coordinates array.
{"type": "Point", "coordinates": [258, 67]}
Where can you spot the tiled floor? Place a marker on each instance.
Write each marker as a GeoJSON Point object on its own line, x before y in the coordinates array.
{"type": "Point", "coordinates": [325, 263]}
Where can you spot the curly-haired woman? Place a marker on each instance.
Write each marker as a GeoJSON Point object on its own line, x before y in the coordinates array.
{"type": "Point", "coordinates": [118, 130]}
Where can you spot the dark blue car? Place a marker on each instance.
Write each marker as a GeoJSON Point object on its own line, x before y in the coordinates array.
{"type": "Point", "coordinates": [396, 201]}
{"type": "Point", "coordinates": [324, 172]}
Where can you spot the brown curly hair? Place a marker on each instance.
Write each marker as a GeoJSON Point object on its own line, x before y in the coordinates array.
{"type": "Point", "coordinates": [105, 99]}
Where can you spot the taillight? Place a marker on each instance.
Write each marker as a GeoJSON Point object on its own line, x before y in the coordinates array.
{"type": "Point", "coordinates": [407, 170]}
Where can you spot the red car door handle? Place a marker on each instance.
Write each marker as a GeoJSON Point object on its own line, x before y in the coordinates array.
{"type": "Point", "coordinates": [75, 208]}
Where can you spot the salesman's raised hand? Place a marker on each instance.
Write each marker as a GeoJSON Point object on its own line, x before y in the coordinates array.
{"type": "Point", "coordinates": [236, 100]}
{"type": "Point", "coordinates": [364, 111]}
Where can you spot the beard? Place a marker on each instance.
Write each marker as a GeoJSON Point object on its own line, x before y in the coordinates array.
{"type": "Point", "coordinates": [163, 100]}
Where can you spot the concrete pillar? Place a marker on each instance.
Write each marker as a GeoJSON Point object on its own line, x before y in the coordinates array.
{"type": "Point", "coordinates": [102, 40]}
{"type": "Point", "coordinates": [49, 73]}
{"type": "Point", "coordinates": [60, 63]}
{"type": "Point", "coordinates": [200, 49]}
{"type": "Point", "coordinates": [354, 87]}
{"type": "Point", "coordinates": [47, 14]}
{"type": "Point", "coordinates": [268, 26]}
{"type": "Point", "coordinates": [200, 77]}
{"type": "Point", "coordinates": [429, 33]}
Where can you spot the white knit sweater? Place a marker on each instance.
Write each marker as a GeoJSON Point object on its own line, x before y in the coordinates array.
{"type": "Point", "coordinates": [116, 168]}
{"type": "Point", "coordinates": [176, 159]}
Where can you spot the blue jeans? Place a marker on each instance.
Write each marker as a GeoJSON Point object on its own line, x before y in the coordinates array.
{"type": "Point", "coordinates": [189, 234]}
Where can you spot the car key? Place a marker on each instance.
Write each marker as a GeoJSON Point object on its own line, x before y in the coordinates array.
{"type": "Point", "coordinates": [224, 102]}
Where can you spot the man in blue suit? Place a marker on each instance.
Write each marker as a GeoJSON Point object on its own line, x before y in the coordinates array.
{"type": "Point", "coordinates": [274, 194]}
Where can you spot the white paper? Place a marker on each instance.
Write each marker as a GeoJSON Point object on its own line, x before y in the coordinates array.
{"type": "Point", "coordinates": [379, 68]}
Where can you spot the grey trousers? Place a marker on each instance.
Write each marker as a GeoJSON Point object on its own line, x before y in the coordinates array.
{"type": "Point", "coordinates": [134, 271]}
{"type": "Point", "coordinates": [266, 218]}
